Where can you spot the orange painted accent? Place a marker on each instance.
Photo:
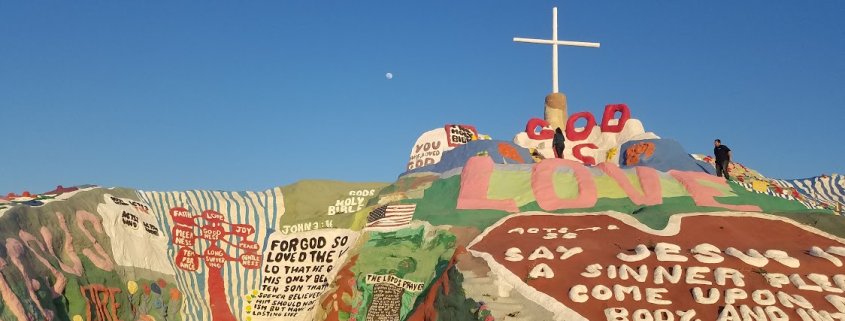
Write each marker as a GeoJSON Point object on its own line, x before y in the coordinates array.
{"type": "Point", "coordinates": [175, 294]}
{"type": "Point", "coordinates": [510, 152]}
{"type": "Point", "coordinates": [632, 155]}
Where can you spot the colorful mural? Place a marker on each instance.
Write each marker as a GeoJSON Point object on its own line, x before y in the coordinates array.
{"type": "Point", "coordinates": [630, 228]}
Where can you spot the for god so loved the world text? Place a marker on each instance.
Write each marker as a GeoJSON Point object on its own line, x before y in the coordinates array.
{"type": "Point", "coordinates": [297, 270]}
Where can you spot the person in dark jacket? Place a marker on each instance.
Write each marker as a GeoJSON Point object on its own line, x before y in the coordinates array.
{"type": "Point", "coordinates": [723, 159]}
{"type": "Point", "coordinates": [558, 142]}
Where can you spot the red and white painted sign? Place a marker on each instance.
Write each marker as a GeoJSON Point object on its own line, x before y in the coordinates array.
{"type": "Point", "coordinates": [588, 144]}
{"type": "Point", "coordinates": [458, 135]}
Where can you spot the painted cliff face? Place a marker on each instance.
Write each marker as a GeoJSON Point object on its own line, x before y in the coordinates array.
{"type": "Point", "coordinates": [602, 234]}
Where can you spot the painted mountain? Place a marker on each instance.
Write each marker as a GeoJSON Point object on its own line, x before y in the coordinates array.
{"type": "Point", "coordinates": [625, 226]}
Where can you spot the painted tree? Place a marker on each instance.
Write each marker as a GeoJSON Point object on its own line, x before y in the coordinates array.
{"type": "Point", "coordinates": [345, 282]}
{"type": "Point", "coordinates": [215, 231]}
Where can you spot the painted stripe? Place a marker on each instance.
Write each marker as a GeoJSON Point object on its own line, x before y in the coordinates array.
{"type": "Point", "coordinates": [259, 209]}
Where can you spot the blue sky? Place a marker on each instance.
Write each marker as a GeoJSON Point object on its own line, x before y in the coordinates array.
{"type": "Point", "coordinates": [253, 95]}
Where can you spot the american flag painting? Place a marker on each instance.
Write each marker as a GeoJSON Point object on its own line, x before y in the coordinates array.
{"type": "Point", "coordinates": [391, 215]}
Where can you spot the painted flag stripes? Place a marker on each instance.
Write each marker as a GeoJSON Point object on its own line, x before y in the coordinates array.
{"type": "Point", "coordinates": [750, 188]}
{"type": "Point", "coordinates": [830, 190]}
{"type": "Point", "coordinates": [391, 215]}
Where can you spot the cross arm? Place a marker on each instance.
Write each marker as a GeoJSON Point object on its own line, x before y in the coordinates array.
{"type": "Point", "coordinates": [558, 42]}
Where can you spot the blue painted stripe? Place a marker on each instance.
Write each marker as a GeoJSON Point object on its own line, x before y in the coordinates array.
{"type": "Point", "coordinates": [257, 209]}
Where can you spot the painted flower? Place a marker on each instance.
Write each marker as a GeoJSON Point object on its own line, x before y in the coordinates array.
{"type": "Point", "coordinates": [146, 288]}
{"type": "Point", "coordinates": [254, 292]}
{"type": "Point", "coordinates": [248, 308]}
{"type": "Point", "coordinates": [489, 318]}
{"type": "Point", "coordinates": [354, 311]}
{"type": "Point", "coordinates": [78, 317]}
{"type": "Point", "coordinates": [175, 294]}
{"type": "Point", "coordinates": [132, 286]}
{"type": "Point", "coordinates": [155, 288]}
{"type": "Point", "coordinates": [162, 283]}
{"type": "Point", "coordinates": [483, 307]}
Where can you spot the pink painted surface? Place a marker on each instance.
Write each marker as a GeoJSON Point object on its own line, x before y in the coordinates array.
{"type": "Point", "coordinates": [704, 195]}
{"type": "Point", "coordinates": [61, 280]}
{"type": "Point", "coordinates": [648, 178]}
{"type": "Point", "coordinates": [102, 260]}
{"type": "Point", "coordinates": [475, 182]}
{"type": "Point", "coordinates": [76, 267]}
{"type": "Point", "coordinates": [10, 300]}
{"type": "Point", "coordinates": [544, 189]}
{"type": "Point", "coordinates": [15, 250]}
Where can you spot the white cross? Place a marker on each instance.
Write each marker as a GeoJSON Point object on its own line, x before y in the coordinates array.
{"type": "Point", "coordinates": [554, 42]}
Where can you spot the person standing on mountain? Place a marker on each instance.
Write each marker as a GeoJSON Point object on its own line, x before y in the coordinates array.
{"type": "Point", "coordinates": [558, 142]}
{"type": "Point", "coordinates": [723, 159]}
